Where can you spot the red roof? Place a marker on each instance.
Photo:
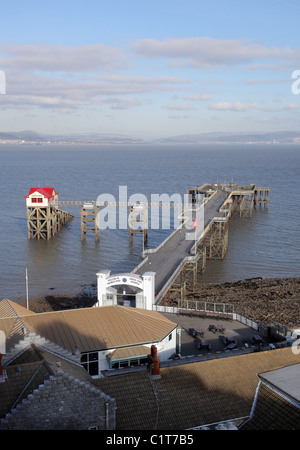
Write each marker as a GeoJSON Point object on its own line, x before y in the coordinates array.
{"type": "Point", "coordinates": [46, 191]}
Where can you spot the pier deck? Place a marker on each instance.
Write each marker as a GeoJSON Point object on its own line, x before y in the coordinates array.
{"type": "Point", "coordinates": [186, 249]}
{"type": "Point", "coordinates": [167, 259]}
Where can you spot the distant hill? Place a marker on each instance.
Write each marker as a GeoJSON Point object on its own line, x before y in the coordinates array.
{"type": "Point", "coordinates": [28, 136]}
{"type": "Point", "coordinates": [283, 137]}
{"type": "Point", "coordinates": [87, 138]}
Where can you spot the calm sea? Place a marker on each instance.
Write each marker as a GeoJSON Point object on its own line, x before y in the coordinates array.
{"type": "Point", "coordinates": [266, 245]}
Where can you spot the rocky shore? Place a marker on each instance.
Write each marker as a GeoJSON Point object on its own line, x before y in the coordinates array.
{"type": "Point", "coordinates": [264, 300]}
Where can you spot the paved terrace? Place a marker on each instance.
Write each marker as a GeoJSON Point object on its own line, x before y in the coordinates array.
{"type": "Point", "coordinates": [238, 331]}
{"type": "Point", "coordinates": [190, 352]}
{"type": "Point", "coordinates": [166, 259]}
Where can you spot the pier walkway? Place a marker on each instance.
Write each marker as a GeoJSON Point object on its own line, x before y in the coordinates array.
{"type": "Point", "coordinates": [168, 258]}
{"type": "Point", "coordinates": [186, 249]}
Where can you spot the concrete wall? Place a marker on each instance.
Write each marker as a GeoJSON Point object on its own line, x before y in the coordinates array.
{"type": "Point", "coordinates": [167, 346]}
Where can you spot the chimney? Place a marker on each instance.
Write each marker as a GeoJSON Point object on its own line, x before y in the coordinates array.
{"type": "Point", "coordinates": [153, 363]}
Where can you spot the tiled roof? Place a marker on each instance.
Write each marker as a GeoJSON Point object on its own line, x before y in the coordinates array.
{"type": "Point", "coordinates": [12, 390]}
{"type": "Point", "coordinates": [11, 321]}
{"type": "Point", "coordinates": [90, 329]}
{"type": "Point", "coordinates": [9, 308]}
{"type": "Point", "coordinates": [46, 191]}
{"type": "Point", "coordinates": [273, 412]}
{"type": "Point", "coordinates": [29, 371]}
{"type": "Point", "coordinates": [287, 380]}
{"type": "Point", "coordinates": [194, 394]}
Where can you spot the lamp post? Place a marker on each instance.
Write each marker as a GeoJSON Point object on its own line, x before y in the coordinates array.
{"type": "Point", "coordinates": [27, 289]}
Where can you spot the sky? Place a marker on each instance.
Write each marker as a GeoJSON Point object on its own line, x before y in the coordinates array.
{"type": "Point", "coordinates": [149, 69]}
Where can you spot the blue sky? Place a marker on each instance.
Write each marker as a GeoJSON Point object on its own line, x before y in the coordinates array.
{"type": "Point", "coordinates": [149, 69]}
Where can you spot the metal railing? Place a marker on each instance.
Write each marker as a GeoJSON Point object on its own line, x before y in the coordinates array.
{"type": "Point", "coordinates": [198, 306]}
{"type": "Point", "coordinates": [222, 310]}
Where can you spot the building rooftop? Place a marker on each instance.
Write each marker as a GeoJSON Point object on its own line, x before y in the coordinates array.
{"type": "Point", "coordinates": [87, 329]}
{"type": "Point", "coordinates": [276, 405]}
{"type": "Point", "coordinates": [192, 395]}
{"type": "Point", "coordinates": [30, 370]}
{"type": "Point", "coordinates": [46, 191]}
{"type": "Point", "coordinates": [287, 380]}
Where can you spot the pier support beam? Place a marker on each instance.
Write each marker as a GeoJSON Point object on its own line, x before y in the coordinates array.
{"type": "Point", "coordinates": [242, 204]}
{"type": "Point", "coordinates": [261, 197]}
{"type": "Point", "coordinates": [138, 222]}
{"type": "Point", "coordinates": [179, 286]}
{"type": "Point", "coordinates": [45, 222]}
{"type": "Point", "coordinates": [218, 240]}
{"type": "Point", "coordinates": [89, 221]}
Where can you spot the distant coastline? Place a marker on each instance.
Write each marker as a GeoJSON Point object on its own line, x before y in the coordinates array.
{"type": "Point", "coordinates": [34, 138]}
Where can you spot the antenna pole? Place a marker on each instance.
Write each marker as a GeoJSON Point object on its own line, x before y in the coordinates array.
{"type": "Point", "coordinates": [27, 289]}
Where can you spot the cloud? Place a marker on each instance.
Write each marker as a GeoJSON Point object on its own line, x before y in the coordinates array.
{"type": "Point", "coordinates": [289, 107]}
{"type": "Point", "coordinates": [199, 98]}
{"type": "Point", "coordinates": [268, 82]}
{"type": "Point", "coordinates": [62, 58]}
{"type": "Point", "coordinates": [179, 107]}
{"type": "Point", "coordinates": [27, 89]}
{"type": "Point", "coordinates": [205, 52]}
{"type": "Point", "coordinates": [237, 106]}
{"type": "Point", "coordinates": [123, 103]}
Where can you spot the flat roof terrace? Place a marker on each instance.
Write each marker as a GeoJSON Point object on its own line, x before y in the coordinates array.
{"type": "Point", "coordinates": [240, 333]}
{"type": "Point", "coordinates": [209, 331]}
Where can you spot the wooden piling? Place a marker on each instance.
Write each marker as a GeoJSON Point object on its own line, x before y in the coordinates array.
{"type": "Point", "coordinates": [45, 222]}
{"type": "Point", "coordinates": [89, 221]}
{"type": "Point", "coordinates": [138, 214]}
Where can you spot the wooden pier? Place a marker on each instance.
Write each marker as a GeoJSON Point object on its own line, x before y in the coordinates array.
{"type": "Point", "coordinates": [44, 218]}
{"type": "Point", "coordinates": [89, 220]}
{"type": "Point", "coordinates": [177, 260]}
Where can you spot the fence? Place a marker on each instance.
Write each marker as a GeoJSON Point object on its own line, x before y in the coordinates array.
{"type": "Point", "coordinates": [198, 307]}
{"type": "Point", "coordinates": [207, 309]}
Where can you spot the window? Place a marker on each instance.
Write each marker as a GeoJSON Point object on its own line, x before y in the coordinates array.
{"type": "Point", "coordinates": [128, 363]}
{"type": "Point", "coordinates": [170, 336]}
{"type": "Point", "coordinates": [90, 363]}
{"type": "Point", "coordinates": [124, 364]}
{"type": "Point", "coordinates": [37, 199]}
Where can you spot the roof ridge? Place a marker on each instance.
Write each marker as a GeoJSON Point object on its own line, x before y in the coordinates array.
{"type": "Point", "coordinates": [17, 315]}
{"type": "Point", "coordinates": [8, 301]}
{"type": "Point", "coordinates": [141, 324]}
{"type": "Point", "coordinates": [60, 311]}
{"type": "Point", "coordinates": [142, 311]}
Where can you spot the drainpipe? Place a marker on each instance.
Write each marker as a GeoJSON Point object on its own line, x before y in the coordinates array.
{"type": "Point", "coordinates": [179, 339]}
